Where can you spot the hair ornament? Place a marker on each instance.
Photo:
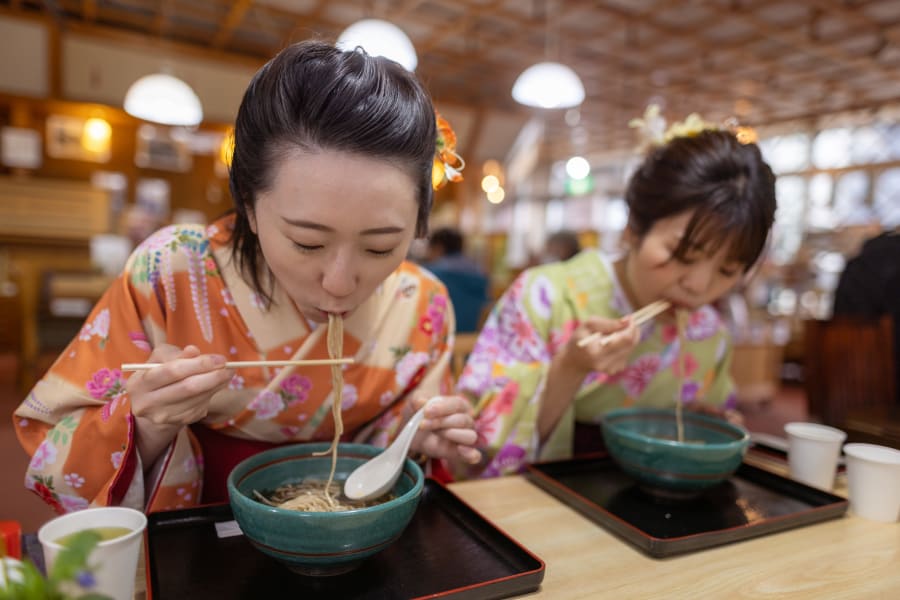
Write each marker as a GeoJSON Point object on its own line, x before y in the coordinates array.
{"type": "Point", "coordinates": [447, 163]}
{"type": "Point", "coordinates": [653, 131]}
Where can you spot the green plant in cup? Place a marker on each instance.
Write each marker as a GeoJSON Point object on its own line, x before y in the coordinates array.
{"type": "Point", "coordinates": [71, 571]}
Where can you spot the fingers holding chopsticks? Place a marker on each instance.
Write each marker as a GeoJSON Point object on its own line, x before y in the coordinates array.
{"type": "Point", "coordinates": [178, 390]}
{"type": "Point", "coordinates": [604, 345]}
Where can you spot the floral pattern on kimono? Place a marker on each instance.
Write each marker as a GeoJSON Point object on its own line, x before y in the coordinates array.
{"type": "Point", "coordinates": [181, 287]}
{"type": "Point", "coordinates": [506, 370]}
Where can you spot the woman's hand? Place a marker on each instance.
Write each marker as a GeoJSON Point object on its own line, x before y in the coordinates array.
{"type": "Point", "coordinates": [608, 352]}
{"type": "Point", "coordinates": [448, 429]}
{"type": "Point", "coordinates": [176, 393]}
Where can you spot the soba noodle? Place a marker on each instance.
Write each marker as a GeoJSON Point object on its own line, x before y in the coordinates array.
{"type": "Point", "coordinates": [335, 350]}
{"type": "Point", "coordinates": [310, 496]}
{"type": "Point", "coordinates": [681, 321]}
{"type": "Point", "coordinates": [316, 495]}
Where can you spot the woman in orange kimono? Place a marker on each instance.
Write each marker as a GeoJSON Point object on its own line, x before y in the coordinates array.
{"type": "Point", "coordinates": [332, 179]}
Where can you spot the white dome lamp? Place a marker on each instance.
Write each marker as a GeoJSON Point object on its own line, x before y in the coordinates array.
{"type": "Point", "coordinates": [164, 99]}
{"type": "Point", "coordinates": [548, 85]}
{"type": "Point", "coordinates": [380, 38]}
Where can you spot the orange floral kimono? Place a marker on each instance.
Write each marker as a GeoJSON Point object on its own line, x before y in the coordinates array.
{"type": "Point", "coordinates": [182, 287]}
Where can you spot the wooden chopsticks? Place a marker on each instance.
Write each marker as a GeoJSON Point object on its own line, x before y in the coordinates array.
{"type": "Point", "coordinates": [253, 363]}
{"type": "Point", "coordinates": [638, 317]}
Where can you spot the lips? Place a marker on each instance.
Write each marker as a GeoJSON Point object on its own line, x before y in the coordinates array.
{"type": "Point", "coordinates": [336, 313]}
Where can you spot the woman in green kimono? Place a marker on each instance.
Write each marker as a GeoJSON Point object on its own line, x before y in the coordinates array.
{"type": "Point", "coordinates": [700, 209]}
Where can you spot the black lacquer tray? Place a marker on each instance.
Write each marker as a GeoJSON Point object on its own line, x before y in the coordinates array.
{"type": "Point", "coordinates": [447, 551]}
{"type": "Point", "coordinates": [753, 502]}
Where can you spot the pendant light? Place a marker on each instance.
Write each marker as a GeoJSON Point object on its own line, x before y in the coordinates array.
{"type": "Point", "coordinates": [549, 84]}
{"type": "Point", "coordinates": [380, 38]}
{"type": "Point", "coordinates": [164, 99]}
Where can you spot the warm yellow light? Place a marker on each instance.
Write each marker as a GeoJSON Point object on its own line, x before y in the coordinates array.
{"type": "Point", "coordinates": [96, 135]}
{"type": "Point", "coordinates": [496, 196]}
{"type": "Point", "coordinates": [226, 150]}
{"type": "Point", "coordinates": [492, 167]}
{"type": "Point", "coordinates": [490, 183]}
{"type": "Point", "coordinates": [746, 135]}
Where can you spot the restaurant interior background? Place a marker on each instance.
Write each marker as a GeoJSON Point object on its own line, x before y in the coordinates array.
{"type": "Point", "coordinates": [817, 81]}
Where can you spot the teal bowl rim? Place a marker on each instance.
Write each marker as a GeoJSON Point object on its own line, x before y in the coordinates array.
{"type": "Point", "coordinates": [610, 418]}
{"type": "Point", "coordinates": [235, 495]}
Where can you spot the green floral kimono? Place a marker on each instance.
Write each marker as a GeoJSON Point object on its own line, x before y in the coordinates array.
{"type": "Point", "coordinates": [536, 316]}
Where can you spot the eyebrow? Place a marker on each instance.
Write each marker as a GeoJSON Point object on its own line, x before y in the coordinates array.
{"type": "Point", "coordinates": [325, 228]}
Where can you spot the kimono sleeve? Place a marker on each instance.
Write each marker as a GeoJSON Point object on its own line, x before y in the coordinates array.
{"type": "Point", "coordinates": [505, 373]}
{"type": "Point", "coordinates": [424, 369]}
{"type": "Point", "coordinates": [719, 388]}
{"type": "Point", "coordinates": [76, 423]}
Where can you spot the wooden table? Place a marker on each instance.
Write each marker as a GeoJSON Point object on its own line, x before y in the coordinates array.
{"type": "Point", "coordinates": [843, 558]}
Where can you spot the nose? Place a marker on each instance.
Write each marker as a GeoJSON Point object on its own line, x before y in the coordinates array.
{"type": "Point", "coordinates": [698, 278]}
{"type": "Point", "coordinates": [339, 277]}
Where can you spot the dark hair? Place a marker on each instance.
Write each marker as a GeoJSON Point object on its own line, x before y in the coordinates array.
{"type": "Point", "coordinates": [730, 187]}
{"type": "Point", "coordinates": [313, 97]}
{"type": "Point", "coordinates": [447, 238]}
{"type": "Point", "coordinates": [567, 241]}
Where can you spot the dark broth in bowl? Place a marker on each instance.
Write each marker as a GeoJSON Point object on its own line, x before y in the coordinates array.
{"type": "Point", "coordinates": [309, 496]}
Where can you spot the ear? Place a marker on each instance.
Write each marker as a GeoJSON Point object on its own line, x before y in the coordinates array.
{"type": "Point", "coordinates": [629, 239]}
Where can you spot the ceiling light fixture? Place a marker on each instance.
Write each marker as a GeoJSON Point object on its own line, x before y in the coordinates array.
{"type": "Point", "coordinates": [164, 99]}
{"type": "Point", "coordinates": [380, 38]}
{"type": "Point", "coordinates": [549, 84]}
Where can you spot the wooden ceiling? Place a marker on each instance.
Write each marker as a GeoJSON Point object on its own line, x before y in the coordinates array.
{"type": "Point", "coordinates": [762, 61]}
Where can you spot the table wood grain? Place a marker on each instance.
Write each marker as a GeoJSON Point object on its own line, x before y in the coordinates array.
{"type": "Point", "coordinates": [845, 558]}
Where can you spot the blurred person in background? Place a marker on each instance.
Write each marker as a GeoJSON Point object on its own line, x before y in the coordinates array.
{"type": "Point", "coordinates": [869, 286]}
{"type": "Point", "coordinates": [561, 245]}
{"type": "Point", "coordinates": [465, 279]}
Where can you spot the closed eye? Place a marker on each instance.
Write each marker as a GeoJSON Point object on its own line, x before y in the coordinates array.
{"type": "Point", "coordinates": [387, 252]}
{"type": "Point", "coordinates": [305, 248]}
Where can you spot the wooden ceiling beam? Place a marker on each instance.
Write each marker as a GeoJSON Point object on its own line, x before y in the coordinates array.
{"type": "Point", "coordinates": [313, 16]}
{"type": "Point", "coordinates": [460, 26]}
{"type": "Point", "coordinates": [161, 24]}
{"type": "Point", "coordinates": [232, 20]}
{"type": "Point", "coordinates": [801, 42]}
{"type": "Point", "coordinates": [88, 10]}
{"type": "Point", "coordinates": [888, 31]}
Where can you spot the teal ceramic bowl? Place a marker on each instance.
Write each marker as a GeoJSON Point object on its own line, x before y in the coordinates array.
{"type": "Point", "coordinates": [644, 443]}
{"type": "Point", "coordinates": [318, 543]}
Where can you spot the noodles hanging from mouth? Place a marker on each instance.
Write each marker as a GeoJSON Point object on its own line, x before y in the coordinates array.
{"type": "Point", "coordinates": [335, 350]}
{"type": "Point", "coordinates": [316, 495]}
{"type": "Point", "coordinates": [681, 321]}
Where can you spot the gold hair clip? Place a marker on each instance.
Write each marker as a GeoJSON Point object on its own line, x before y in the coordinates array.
{"type": "Point", "coordinates": [653, 131]}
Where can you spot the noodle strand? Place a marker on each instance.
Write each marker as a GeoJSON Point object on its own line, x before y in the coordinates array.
{"type": "Point", "coordinates": [682, 354]}
{"type": "Point", "coordinates": [335, 350]}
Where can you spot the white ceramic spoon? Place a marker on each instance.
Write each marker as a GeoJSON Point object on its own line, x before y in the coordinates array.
{"type": "Point", "coordinates": [377, 476]}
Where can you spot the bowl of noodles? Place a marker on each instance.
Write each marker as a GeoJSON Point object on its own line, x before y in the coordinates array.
{"type": "Point", "coordinates": [671, 459]}
{"type": "Point", "coordinates": [278, 498]}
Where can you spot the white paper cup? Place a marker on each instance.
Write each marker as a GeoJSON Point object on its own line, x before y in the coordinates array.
{"type": "Point", "coordinates": [114, 561]}
{"type": "Point", "coordinates": [813, 452]}
{"type": "Point", "coordinates": [873, 479]}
